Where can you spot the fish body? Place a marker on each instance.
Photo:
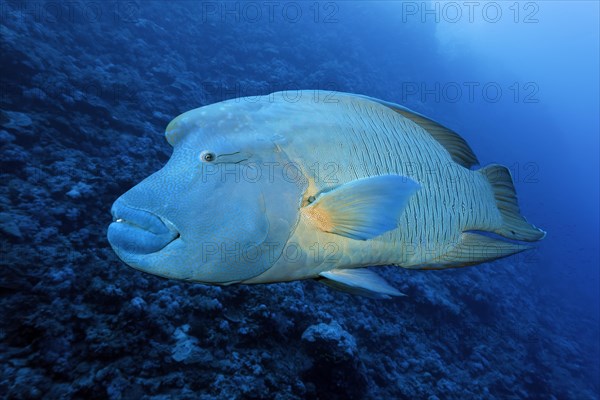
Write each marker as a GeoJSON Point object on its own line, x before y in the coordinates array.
{"type": "Point", "coordinates": [313, 184]}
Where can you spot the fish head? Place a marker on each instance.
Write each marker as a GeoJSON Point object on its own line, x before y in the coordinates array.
{"type": "Point", "coordinates": [223, 207]}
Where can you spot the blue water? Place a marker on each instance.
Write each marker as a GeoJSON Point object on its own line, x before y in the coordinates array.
{"type": "Point", "coordinates": [87, 89]}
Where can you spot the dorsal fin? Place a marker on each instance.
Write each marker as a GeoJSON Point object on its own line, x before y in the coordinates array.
{"type": "Point", "coordinates": [458, 148]}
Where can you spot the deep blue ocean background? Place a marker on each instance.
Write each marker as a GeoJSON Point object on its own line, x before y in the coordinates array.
{"type": "Point", "coordinates": [87, 88]}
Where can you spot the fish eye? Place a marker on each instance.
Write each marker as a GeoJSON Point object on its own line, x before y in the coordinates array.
{"type": "Point", "coordinates": [207, 156]}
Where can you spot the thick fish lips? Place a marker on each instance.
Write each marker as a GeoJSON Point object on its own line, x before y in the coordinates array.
{"type": "Point", "coordinates": [138, 232]}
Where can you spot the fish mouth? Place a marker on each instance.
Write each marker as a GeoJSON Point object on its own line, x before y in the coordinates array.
{"type": "Point", "coordinates": [139, 232]}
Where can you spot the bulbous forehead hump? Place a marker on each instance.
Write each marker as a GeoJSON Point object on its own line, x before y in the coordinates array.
{"type": "Point", "coordinates": [227, 117]}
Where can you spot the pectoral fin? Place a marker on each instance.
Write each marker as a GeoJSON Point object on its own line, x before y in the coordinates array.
{"type": "Point", "coordinates": [359, 281]}
{"type": "Point", "coordinates": [364, 208]}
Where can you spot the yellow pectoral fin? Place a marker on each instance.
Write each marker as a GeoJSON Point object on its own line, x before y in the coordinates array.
{"type": "Point", "coordinates": [362, 209]}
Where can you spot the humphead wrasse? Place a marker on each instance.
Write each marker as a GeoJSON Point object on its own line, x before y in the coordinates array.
{"type": "Point", "coordinates": [315, 185]}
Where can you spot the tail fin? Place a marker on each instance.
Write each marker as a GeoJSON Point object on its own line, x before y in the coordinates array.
{"type": "Point", "coordinates": [514, 225]}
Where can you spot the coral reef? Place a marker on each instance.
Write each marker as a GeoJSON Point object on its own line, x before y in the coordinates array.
{"type": "Point", "coordinates": [86, 93]}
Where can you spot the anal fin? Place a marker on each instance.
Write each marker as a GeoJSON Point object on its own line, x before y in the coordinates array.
{"type": "Point", "coordinates": [360, 281]}
{"type": "Point", "coordinates": [475, 249]}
